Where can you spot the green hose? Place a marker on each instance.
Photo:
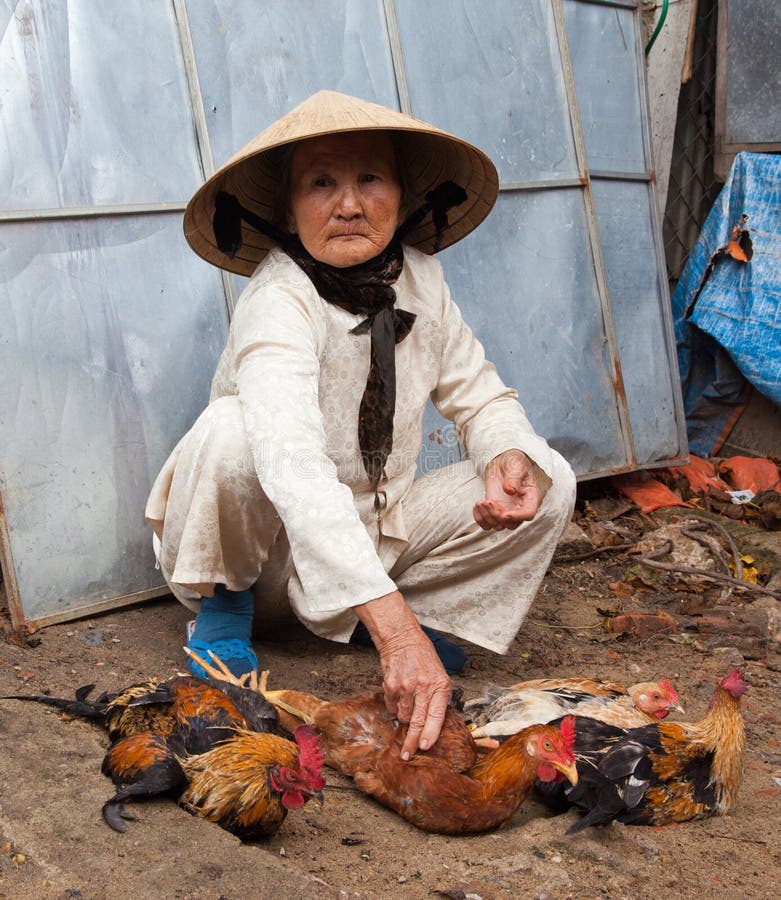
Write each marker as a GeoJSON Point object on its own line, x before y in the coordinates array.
{"type": "Point", "coordinates": [658, 28]}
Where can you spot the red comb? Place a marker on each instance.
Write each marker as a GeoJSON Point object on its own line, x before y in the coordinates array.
{"type": "Point", "coordinates": [734, 683]}
{"type": "Point", "coordinates": [309, 755]}
{"type": "Point", "coordinates": [567, 728]}
{"type": "Point", "coordinates": [667, 687]}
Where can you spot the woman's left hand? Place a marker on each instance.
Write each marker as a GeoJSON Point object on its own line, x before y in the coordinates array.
{"type": "Point", "coordinates": [512, 495]}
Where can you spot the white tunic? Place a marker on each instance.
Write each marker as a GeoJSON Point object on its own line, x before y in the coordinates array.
{"type": "Point", "coordinates": [300, 375]}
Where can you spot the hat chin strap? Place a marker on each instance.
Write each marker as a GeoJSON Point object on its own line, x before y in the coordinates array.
{"type": "Point", "coordinates": [438, 202]}
{"type": "Point", "coordinates": [228, 215]}
{"type": "Point", "coordinates": [226, 222]}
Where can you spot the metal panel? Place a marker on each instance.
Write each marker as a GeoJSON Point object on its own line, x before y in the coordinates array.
{"type": "Point", "coordinates": [607, 56]}
{"type": "Point", "coordinates": [640, 304]}
{"type": "Point", "coordinates": [753, 83]}
{"type": "Point", "coordinates": [94, 108]}
{"type": "Point", "coordinates": [495, 80]}
{"type": "Point", "coordinates": [258, 60]}
{"type": "Point", "coordinates": [525, 281]}
{"type": "Point", "coordinates": [748, 80]}
{"type": "Point", "coordinates": [109, 338]}
{"type": "Point", "coordinates": [603, 44]}
{"type": "Point", "coordinates": [530, 279]}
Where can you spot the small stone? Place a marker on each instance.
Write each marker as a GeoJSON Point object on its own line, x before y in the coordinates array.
{"type": "Point", "coordinates": [402, 879]}
{"type": "Point", "coordinates": [731, 655]}
{"type": "Point", "coordinates": [18, 859]}
{"type": "Point", "coordinates": [282, 851]}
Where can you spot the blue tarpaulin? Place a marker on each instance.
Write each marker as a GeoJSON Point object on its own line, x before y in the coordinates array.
{"type": "Point", "coordinates": [729, 334]}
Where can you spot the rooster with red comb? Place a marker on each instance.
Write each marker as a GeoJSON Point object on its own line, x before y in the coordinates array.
{"type": "Point", "coordinates": [662, 773]}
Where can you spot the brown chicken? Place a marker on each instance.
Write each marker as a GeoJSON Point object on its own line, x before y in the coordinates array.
{"type": "Point", "coordinates": [446, 789]}
{"type": "Point", "coordinates": [159, 729]}
{"type": "Point", "coordinates": [504, 711]}
{"type": "Point", "coordinates": [663, 773]}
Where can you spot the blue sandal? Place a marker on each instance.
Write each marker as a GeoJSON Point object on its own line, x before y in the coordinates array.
{"type": "Point", "coordinates": [237, 655]}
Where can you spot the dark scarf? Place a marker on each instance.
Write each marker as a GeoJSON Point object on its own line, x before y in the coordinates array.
{"type": "Point", "coordinates": [366, 290]}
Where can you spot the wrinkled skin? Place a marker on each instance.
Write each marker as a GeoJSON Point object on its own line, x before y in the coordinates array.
{"type": "Point", "coordinates": [345, 196]}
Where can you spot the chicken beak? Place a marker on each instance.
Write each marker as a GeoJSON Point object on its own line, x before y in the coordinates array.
{"type": "Point", "coordinates": [569, 770]}
{"type": "Point", "coordinates": [318, 795]}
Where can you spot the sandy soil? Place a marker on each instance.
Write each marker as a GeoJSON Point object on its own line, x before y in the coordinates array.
{"type": "Point", "coordinates": [55, 844]}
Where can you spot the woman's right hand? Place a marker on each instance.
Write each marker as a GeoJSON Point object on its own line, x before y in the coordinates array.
{"type": "Point", "coordinates": [417, 688]}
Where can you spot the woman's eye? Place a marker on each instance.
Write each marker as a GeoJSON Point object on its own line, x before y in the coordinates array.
{"type": "Point", "coordinates": [369, 176]}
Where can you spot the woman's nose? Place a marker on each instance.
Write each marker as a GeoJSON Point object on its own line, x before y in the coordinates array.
{"type": "Point", "coordinates": [349, 204]}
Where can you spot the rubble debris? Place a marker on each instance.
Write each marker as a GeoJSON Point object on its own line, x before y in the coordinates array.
{"type": "Point", "coordinates": [739, 487]}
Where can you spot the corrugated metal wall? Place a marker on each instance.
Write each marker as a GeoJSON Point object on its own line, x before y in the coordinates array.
{"type": "Point", "coordinates": [111, 330]}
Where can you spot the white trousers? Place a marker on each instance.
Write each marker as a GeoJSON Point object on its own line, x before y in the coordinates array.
{"type": "Point", "coordinates": [213, 524]}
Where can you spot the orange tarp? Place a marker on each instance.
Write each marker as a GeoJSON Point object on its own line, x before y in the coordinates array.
{"type": "Point", "coordinates": [747, 473]}
{"type": "Point", "coordinates": [648, 493]}
{"type": "Point", "coordinates": [701, 475]}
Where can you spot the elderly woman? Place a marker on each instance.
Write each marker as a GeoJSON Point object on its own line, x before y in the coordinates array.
{"type": "Point", "coordinates": [296, 486]}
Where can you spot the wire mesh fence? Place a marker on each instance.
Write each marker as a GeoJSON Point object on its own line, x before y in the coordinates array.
{"type": "Point", "coordinates": [693, 186]}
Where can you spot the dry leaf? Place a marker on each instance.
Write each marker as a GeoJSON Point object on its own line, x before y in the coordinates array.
{"type": "Point", "coordinates": [641, 624]}
{"type": "Point", "coordinates": [641, 583]}
{"type": "Point", "coordinates": [600, 536]}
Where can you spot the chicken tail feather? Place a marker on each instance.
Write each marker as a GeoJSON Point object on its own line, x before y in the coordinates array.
{"type": "Point", "coordinates": [79, 707]}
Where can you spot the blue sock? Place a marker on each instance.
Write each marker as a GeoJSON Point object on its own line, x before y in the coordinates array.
{"type": "Point", "coordinates": [225, 616]}
{"type": "Point", "coordinates": [451, 656]}
{"type": "Point", "coordinates": [224, 625]}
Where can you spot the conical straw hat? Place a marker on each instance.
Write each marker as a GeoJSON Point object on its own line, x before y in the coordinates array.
{"type": "Point", "coordinates": [430, 155]}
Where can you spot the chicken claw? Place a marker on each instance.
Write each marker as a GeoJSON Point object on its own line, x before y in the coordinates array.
{"type": "Point", "coordinates": [218, 670]}
{"type": "Point", "coordinates": [114, 813]}
{"type": "Point", "coordinates": [221, 672]}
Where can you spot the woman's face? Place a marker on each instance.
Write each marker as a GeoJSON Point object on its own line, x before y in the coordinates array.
{"type": "Point", "coordinates": [345, 196]}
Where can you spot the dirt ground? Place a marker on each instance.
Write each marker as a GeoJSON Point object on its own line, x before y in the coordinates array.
{"type": "Point", "coordinates": [55, 844]}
